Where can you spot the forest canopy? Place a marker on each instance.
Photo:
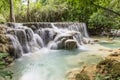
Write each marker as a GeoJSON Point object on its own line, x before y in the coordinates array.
{"type": "Point", "coordinates": [96, 13]}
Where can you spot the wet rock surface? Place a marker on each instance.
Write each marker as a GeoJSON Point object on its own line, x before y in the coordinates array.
{"type": "Point", "coordinates": [70, 44]}
{"type": "Point", "coordinates": [4, 46]}
{"type": "Point", "coordinates": [3, 39]}
{"type": "Point", "coordinates": [107, 69]}
{"type": "Point", "coordinates": [86, 73]}
{"type": "Point", "coordinates": [56, 35]}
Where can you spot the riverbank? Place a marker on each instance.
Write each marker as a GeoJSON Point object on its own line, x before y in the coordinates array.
{"type": "Point", "coordinates": [4, 44]}
{"type": "Point", "coordinates": [5, 58]}
{"type": "Point", "coordinates": [107, 69]}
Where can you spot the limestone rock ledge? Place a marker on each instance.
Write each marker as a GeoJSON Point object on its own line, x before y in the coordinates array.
{"type": "Point", "coordinates": [4, 45]}
{"type": "Point", "coordinates": [107, 69]}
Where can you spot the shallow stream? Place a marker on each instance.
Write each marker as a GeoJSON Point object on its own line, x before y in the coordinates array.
{"type": "Point", "coordinates": [48, 64]}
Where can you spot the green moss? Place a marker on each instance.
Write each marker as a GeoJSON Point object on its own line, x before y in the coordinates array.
{"type": "Point", "coordinates": [109, 69]}
{"type": "Point", "coordinates": [115, 70]}
{"type": "Point", "coordinates": [82, 76]}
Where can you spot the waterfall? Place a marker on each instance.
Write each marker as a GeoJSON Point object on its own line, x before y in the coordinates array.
{"type": "Point", "coordinates": [39, 40]}
{"type": "Point", "coordinates": [31, 37]}
{"type": "Point", "coordinates": [47, 34]}
{"type": "Point", "coordinates": [27, 39]}
{"type": "Point", "coordinates": [17, 52]}
{"type": "Point", "coordinates": [80, 27]}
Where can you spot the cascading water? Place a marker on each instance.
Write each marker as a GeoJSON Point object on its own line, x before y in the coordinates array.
{"type": "Point", "coordinates": [53, 36]}
{"type": "Point", "coordinates": [17, 48]}
{"type": "Point", "coordinates": [42, 40]}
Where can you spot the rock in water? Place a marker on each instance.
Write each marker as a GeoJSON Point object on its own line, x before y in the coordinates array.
{"type": "Point", "coordinates": [70, 44]}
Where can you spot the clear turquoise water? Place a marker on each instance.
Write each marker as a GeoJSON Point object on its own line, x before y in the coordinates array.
{"type": "Point", "coordinates": [51, 64]}
{"type": "Point", "coordinates": [111, 44]}
{"type": "Point", "coordinates": [54, 64]}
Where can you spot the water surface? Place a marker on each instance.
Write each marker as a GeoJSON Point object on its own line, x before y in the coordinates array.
{"type": "Point", "coordinates": [110, 43]}
{"type": "Point", "coordinates": [51, 64]}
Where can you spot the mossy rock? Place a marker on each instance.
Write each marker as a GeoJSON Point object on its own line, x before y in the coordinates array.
{"type": "Point", "coordinates": [115, 70]}
{"type": "Point", "coordinates": [82, 76]}
{"type": "Point", "coordinates": [78, 75]}
{"type": "Point", "coordinates": [110, 68]}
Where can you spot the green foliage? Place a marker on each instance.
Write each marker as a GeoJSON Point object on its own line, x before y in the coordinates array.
{"type": "Point", "coordinates": [4, 10]}
{"type": "Point", "coordinates": [101, 77]}
{"type": "Point", "coordinates": [101, 19]}
{"type": "Point", "coordinates": [104, 17]}
{"type": "Point", "coordinates": [4, 73]}
{"type": "Point", "coordinates": [2, 55]}
{"type": "Point", "coordinates": [65, 10]}
{"type": "Point", "coordinates": [2, 19]}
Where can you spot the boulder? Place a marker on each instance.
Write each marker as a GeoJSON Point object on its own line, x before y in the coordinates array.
{"type": "Point", "coordinates": [115, 32]}
{"type": "Point", "coordinates": [70, 44]}
{"type": "Point", "coordinates": [61, 36]}
{"type": "Point", "coordinates": [109, 68]}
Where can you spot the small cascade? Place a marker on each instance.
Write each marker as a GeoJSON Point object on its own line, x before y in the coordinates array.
{"type": "Point", "coordinates": [32, 37]}
{"type": "Point", "coordinates": [16, 49]}
{"type": "Point", "coordinates": [47, 34]}
{"type": "Point", "coordinates": [80, 27]}
{"type": "Point", "coordinates": [28, 40]}
{"type": "Point", "coordinates": [22, 37]}
{"type": "Point", "coordinates": [38, 40]}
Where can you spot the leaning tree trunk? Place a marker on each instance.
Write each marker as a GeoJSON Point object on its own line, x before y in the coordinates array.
{"type": "Point", "coordinates": [106, 9]}
{"type": "Point", "coordinates": [12, 16]}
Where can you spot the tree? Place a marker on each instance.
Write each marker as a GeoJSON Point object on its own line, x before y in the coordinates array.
{"type": "Point", "coordinates": [28, 10]}
{"type": "Point", "coordinates": [12, 16]}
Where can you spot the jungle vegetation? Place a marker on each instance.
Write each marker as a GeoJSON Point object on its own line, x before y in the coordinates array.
{"type": "Point", "coordinates": [98, 14]}
{"type": "Point", "coordinates": [95, 13]}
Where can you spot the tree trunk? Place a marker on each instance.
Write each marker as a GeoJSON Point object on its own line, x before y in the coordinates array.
{"type": "Point", "coordinates": [28, 11]}
{"type": "Point", "coordinates": [12, 16]}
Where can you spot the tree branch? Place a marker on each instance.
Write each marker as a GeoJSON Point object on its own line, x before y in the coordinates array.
{"type": "Point", "coordinates": [107, 9]}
